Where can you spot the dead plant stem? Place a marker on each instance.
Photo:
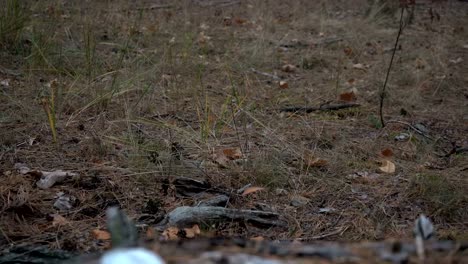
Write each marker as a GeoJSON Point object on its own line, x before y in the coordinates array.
{"type": "Point", "coordinates": [382, 94]}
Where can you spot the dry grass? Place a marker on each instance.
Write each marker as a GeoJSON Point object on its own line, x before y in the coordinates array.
{"type": "Point", "coordinates": [134, 82]}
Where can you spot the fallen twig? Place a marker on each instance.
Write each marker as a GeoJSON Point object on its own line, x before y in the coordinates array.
{"type": "Point", "coordinates": [222, 3]}
{"type": "Point", "coordinates": [325, 107]}
{"type": "Point", "coordinates": [456, 150]}
{"type": "Point", "coordinates": [269, 75]}
{"type": "Point", "coordinates": [155, 6]}
{"type": "Point", "coordinates": [187, 215]}
{"type": "Point", "coordinates": [412, 127]}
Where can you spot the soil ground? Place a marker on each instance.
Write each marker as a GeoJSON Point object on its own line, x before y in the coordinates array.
{"type": "Point", "coordinates": [143, 92]}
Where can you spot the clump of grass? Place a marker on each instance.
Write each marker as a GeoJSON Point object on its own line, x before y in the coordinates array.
{"type": "Point", "coordinates": [268, 172]}
{"type": "Point", "coordinates": [378, 10]}
{"type": "Point", "coordinates": [443, 197]}
{"type": "Point", "coordinates": [13, 19]}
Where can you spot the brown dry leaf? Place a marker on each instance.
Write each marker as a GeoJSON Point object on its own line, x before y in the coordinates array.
{"type": "Point", "coordinates": [348, 97]}
{"type": "Point", "coordinates": [220, 159]}
{"type": "Point", "coordinates": [232, 153]}
{"type": "Point", "coordinates": [101, 234]}
{"type": "Point", "coordinates": [223, 156]}
{"type": "Point", "coordinates": [171, 233]}
{"type": "Point", "coordinates": [252, 190]}
{"type": "Point", "coordinates": [312, 161]}
{"type": "Point", "coordinates": [348, 51]}
{"type": "Point", "coordinates": [192, 232]}
{"type": "Point", "coordinates": [150, 233]}
{"type": "Point", "coordinates": [240, 21]}
{"type": "Point", "coordinates": [283, 85]}
{"type": "Point", "coordinates": [288, 68]}
{"type": "Point", "coordinates": [387, 167]}
{"type": "Point", "coordinates": [227, 21]}
{"type": "Point", "coordinates": [388, 152]}
{"type": "Point", "coordinates": [58, 220]}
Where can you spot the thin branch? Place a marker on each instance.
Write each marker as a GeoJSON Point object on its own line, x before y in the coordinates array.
{"type": "Point", "coordinates": [325, 107]}
{"type": "Point", "coordinates": [382, 94]}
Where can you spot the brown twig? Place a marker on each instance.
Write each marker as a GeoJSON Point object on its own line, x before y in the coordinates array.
{"type": "Point", "coordinates": [325, 107]}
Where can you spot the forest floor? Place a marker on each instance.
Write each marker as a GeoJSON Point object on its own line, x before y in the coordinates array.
{"type": "Point", "coordinates": [142, 93]}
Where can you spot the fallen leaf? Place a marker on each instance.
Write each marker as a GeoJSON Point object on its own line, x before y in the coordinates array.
{"type": "Point", "coordinates": [227, 21]}
{"type": "Point", "coordinates": [257, 238]}
{"type": "Point", "coordinates": [387, 152]}
{"type": "Point", "coordinates": [348, 97]}
{"type": "Point", "coordinates": [348, 51]}
{"type": "Point", "coordinates": [150, 233]}
{"type": "Point", "coordinates": [171, 233]}
{"type": "Point", "coordinates": [252, 190]}
{"type": "Point", "coordinates": [224, 156]}
{"type": "Point", "coordinates": [101, 234]}
{"type": "Point", "coordinates": [387, 166]}
{"type": "Point", "coordinates": [58, 220]}
{"type": "Point", "coordinates": [192, 232]}
{"type": "Point", "coordinates": [202, 38]}
{"type": "Point", "coordinates": [240, 21]}
{"type": "Point", "coordinates": [312, 161]}
{"type": "Point", "coordinates": [232, 153]}
{"type": "Point", "coordinates": [360, 66]}
{"type": "Point", "coordinates": [288, 68]}
{"type": "Point", "coordinates": [5, 82]}
{"type": "Point", "coordinates": [456, 61]}
{"type": "Point", "coordinates": [283, 85]}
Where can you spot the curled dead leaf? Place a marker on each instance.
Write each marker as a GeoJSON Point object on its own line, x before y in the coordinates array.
{"type": "Point", "coordinates": [387, 152]}
{"type": "Point", "coordinates": [288, 68]}
{"type": "Point", "coordinates": [232, 153]}
{"type": "Point", "coordinates": [387, 167]}
{"type": "Point", "coordinates": [150, 233]}
{"type": "Point", "coordinates": [311, 160]}
{"type": "Point", "coordinates": [283, 85]}
{"type": "Point", "coordinates": [192, 231]}
{"type": "Point", "coordinates": [101, 234]}
{"type": "Point", "coordinates": [171, 233]}
{"type": "Point", "coordinates": [252, 190]}
{"type": "Point", "coordinates": [348, 51]}
{"type": "Point", "coordinates": [58, 220]}
{"type": "Point", "coordinates": [223, 156]}
{"type": "Point", "coordinates": [360, 66]}
{"type": "Point", "coordinates": [348, 97]}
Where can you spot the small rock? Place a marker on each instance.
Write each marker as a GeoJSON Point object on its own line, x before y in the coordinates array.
{"type": "Point", "coordinates": [402, 137]}
{"type": "Point", "coordinates": [280, 191]}
{"type": "Point", "coordinates": [326, 210]}
{"type": "Point", "coordinates": [299, 201]}
{"type": "Point", "coordinates": [64, 201]}
{"type": "Point", "coordinates": [421, 128]}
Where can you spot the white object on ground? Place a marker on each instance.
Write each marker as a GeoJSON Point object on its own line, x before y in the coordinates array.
{"type": "Point", "coordinates": [131, 256]}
